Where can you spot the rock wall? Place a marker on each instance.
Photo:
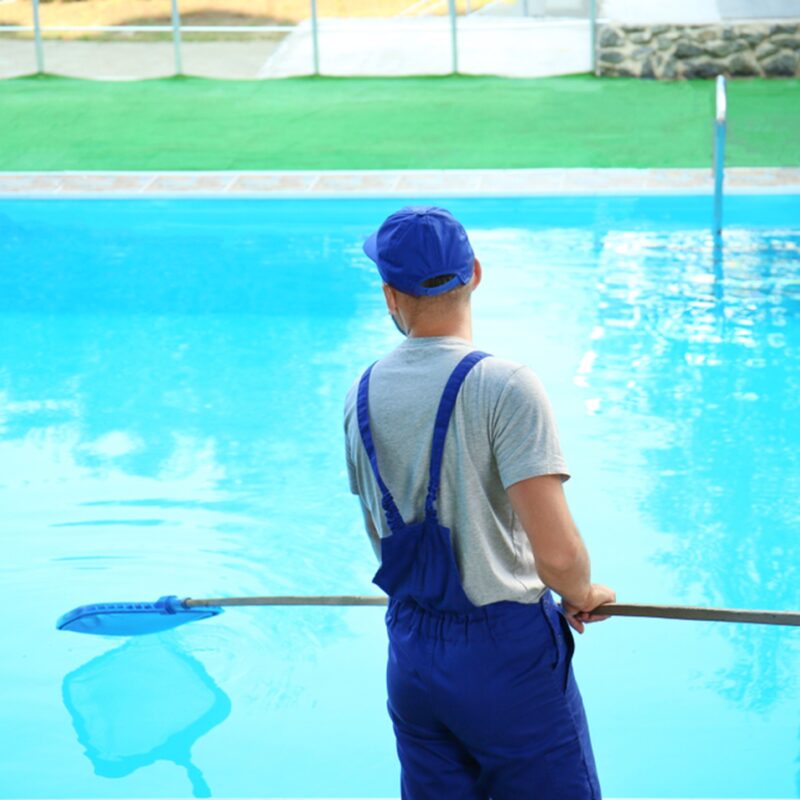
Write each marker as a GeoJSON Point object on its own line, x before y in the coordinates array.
{"type": "Point", "coordinates": [736, 49]}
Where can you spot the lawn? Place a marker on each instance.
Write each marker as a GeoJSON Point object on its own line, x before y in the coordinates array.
{"type": "Point", "coordinates": [370, 123]}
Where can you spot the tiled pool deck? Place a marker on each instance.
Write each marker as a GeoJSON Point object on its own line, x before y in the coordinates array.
{"type": "Point", "coordinates": [401, 183]}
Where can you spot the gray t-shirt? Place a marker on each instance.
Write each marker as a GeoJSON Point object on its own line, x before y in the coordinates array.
{"type": "Point", "coordinates": [501, 432]}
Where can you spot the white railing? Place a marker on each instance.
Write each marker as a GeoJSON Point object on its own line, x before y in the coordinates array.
{"type": "Point", "coordinates": [176, 36]}
{"type": "Point", "coordinates": [315, 35]}
{"type": "Point", "coordinates": [176, 28]}
{"type": "Point", "coordinates": [720, 125]}
{"type": "Point", "coordinates": [37, 24]}
{"type": "Point", "coordinates": [453, 33]}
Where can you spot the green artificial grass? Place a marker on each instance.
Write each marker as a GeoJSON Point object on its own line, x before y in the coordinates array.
{"type": "Point", "coordinates": [374, 123]}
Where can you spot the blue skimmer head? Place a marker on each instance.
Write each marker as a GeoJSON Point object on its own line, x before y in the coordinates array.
{"type": "Point", "coordinates": [133, 619]}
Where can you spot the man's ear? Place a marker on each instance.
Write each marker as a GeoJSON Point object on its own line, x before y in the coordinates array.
{"type": "Point", "coordinates": [390, 295]}
{"type": "Point", "coordinates": [477, 274]}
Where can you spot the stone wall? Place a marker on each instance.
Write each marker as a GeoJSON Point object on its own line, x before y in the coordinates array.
{"type": "Point", "coordinates": [736, 49]}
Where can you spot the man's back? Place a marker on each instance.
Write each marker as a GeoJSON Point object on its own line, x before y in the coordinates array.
{"type": "Point", "coordinates": [502, 432]}
{"type": "Point", "coordinates": [480, 690]}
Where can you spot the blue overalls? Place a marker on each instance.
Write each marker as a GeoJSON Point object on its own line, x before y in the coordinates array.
{"type": "Point", "coordinates": [482, 698]}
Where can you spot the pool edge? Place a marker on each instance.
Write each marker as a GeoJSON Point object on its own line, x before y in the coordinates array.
{"type": "Point", "coordinates": [292, 184]}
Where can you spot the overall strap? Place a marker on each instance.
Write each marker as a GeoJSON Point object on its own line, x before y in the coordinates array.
{"type": "Point", "coordinates": [446, 406]}
{"type": "Point", "coordinates": [387, 501]}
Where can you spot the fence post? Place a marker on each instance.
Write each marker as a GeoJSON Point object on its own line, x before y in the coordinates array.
{"type": "Point", "coordinates": [593, 34]}
{"type": "Point", "coordinates": [315, 35]}
{"type": "Point", "coordinates": [454, 33]}
{"type": "Point", "coordinates": [176, 37]}
{"type": "Point", "coordinates": [37, 33]}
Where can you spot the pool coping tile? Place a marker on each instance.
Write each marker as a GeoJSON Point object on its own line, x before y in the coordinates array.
{"type": "Point", "coordinates": [397, 183]}
{"type": "Point", "coordinates": [271, 183]}
{"type": "Point", "coordinates": [190, 183]}
{"type": "Point", "coordinates": [101, 183]}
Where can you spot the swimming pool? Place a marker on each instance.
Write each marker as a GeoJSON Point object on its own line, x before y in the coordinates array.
{"type": "Point", "coordinates": [171, 381]}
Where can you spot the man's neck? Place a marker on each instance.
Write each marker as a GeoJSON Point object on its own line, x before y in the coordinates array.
{"type": "Point", "coordinates": [461, 327]}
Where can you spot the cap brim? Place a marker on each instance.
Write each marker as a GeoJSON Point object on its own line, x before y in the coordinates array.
{"type": "Point", "coordinates": [371, 246]}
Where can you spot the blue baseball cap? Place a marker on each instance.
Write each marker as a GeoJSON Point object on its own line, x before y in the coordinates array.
{"type": "Point", "coordinates": [418, 243]}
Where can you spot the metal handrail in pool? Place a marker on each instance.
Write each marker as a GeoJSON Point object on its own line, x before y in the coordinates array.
{"type": "Point", "coordinates": [720, 126]}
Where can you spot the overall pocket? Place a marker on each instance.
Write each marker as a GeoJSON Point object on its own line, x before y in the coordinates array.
{"type": "Point", "coordinates": [562, 639]}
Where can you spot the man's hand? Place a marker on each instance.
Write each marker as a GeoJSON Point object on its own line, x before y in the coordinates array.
{"type": "Point", "coordinates": [579, 615]}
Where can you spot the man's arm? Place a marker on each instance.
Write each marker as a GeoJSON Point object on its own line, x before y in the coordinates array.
{"type": "Point", "coordinates": [561, 557]}
{"type": "Point", "coordinates": [372, 529]}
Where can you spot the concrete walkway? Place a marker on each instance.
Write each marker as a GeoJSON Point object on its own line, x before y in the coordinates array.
{"type": "Point", "coordinates": [135, 60]}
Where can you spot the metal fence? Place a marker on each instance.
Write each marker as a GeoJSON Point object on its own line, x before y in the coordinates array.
{"type": "Point", "coordinates": [281, 38]}
{"type": "Point", "coordinates": [325, 37]}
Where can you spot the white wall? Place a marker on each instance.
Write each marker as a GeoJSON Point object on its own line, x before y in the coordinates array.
{"type": "Point", "coordinates": [695, 11]}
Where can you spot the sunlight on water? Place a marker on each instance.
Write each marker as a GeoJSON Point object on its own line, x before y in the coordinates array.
{"type": "Point", "coordinates": [172, 377]}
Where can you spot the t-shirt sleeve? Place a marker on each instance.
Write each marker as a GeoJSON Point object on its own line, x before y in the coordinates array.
{"type": "Point", "coordinates": [349, 420]}
{"type": "Point", "coordinates": [351, 467]}
{"type": "Point", "coordinates": [525, 436]}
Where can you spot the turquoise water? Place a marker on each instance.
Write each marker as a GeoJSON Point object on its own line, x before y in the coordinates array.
{"type": "Point", "coordinates": [171, 381]}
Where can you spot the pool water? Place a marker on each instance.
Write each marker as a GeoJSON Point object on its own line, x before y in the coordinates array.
{"type": "Point", "coordinates": [172, 375]}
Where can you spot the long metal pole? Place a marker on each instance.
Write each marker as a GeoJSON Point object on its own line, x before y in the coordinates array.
{"type": "Point", "coordinates": [593, 34]}
{"type": "Point", "coordinates": [611, 609]}
{"type": "Point", "coordinates": [176, 37]}
{"type": "Point", "coordinates": [454, 33]}
{"type": "Point", "coordinates": [315, 35]}
{"type": "Point", "coordinates": [37, 33]}
{"type": "Point", "coordinates": [720, 126]}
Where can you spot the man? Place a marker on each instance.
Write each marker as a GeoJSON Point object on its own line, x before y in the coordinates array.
{"type": "Point", "coordinates": [455, 458]}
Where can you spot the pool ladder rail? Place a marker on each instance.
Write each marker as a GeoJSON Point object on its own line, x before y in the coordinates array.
{"type": "Point", "coordinates": [720, 130]}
